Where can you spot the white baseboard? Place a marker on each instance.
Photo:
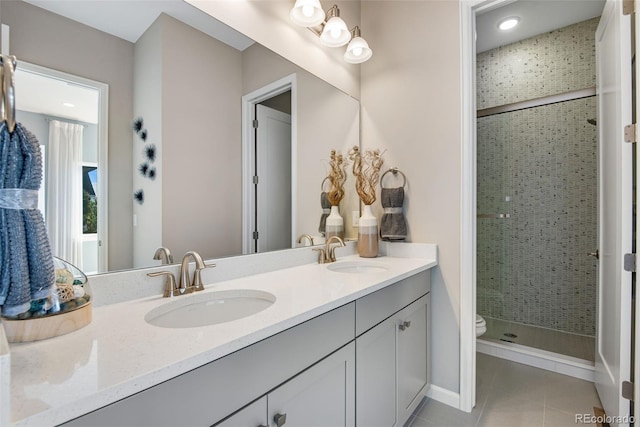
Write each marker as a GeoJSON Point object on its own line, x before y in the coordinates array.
{"type": "Point", "coordinates": [445, 396]}
{"type": "Point", "coordinates": [553, 362]}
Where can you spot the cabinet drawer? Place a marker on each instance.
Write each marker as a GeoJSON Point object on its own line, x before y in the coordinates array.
{"type": "Point", "coordinates": [207, 394]}
{"type": "Point", "coordinates": [376, 307]}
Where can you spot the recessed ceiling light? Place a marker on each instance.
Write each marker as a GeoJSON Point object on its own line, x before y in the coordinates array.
{"type": "Point", "coordinates": [68, 104]}
{"type": "Point", "coordinates": [508, 23]}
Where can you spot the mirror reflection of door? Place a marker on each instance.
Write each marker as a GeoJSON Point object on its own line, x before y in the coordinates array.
{"type": "Point", "coordinates": [63, 112]}
{"type": "Point", "coordinates": [273, 171]}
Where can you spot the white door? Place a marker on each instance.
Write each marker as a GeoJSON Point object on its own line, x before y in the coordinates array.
{"type": "Point", "coordinates": [613, 329]}
{"type": "Point", "coordinates": [273, 188]}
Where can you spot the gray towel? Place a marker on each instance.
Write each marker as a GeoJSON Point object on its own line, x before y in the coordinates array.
{"type": "Point", "coordinates": [26, 271]}
{"type": "Point", "coordinates": [393, 226]}
{"type": "Point", "coordinates": [326, 210]}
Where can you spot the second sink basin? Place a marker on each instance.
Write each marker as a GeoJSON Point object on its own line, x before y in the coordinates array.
{"type": "Point", "coordinates": [358, 267]}
{"type": "Point", "coordinates": [209, 308]}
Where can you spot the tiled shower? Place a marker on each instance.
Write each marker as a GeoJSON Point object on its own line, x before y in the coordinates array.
{"type": "Point", "coordinates": [537, 192]}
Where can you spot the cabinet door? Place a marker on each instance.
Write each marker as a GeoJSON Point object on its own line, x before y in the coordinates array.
{"type": "Point", "coordinates": [412, 351]}
{"type": "Point", "coordinates": [376, 376]}
{"type": "Point", "coordinates": [254, 415]}
{"type": "Point", "coordinates": [323, 395]}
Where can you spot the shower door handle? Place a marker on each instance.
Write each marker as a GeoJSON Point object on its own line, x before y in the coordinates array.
{"type": "Point", "coordinates": [494, 215]}
{"type": "Point", "coordinates": [595, 254]}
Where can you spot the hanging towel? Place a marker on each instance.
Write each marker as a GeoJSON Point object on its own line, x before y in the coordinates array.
{"type": "Point", "coordinates": [326, 209]}
{"type": "Point", "coordinates": [393, 225]}
{"type": "Point", "coordinates": [26, 263]}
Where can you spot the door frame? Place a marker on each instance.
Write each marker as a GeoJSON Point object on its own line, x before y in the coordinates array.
{"type": "Point", "coordinates": [248, 102]}
{"type": "Point", "coordinates": [468, 11]}
{"type": "Point", "coordinates": [103, 149]}
{"type": "Point", "coordinates": [468, 228]}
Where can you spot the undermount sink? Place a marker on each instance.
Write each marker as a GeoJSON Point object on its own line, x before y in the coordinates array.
{"type": "Point", "coordinates": [358, 267]}
{"type": "Point", "coordinates": [192, 311]}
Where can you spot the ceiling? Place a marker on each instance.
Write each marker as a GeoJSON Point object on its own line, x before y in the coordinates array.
{"type": "Point", "coordinates": [536, 17]}
{"type": "Point", "coordinates": [129, 19]}
{"type": "Point", "coordinates": [126, 19]}
{"type": "Point", "coordinates": [81, 102]}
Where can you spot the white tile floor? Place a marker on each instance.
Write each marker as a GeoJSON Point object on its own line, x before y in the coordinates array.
{"type": "Point", "coordinates": [512, 394]}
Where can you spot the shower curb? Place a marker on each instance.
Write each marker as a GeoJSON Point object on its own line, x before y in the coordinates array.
{"type": "Point", "coordinates": [542, 359]}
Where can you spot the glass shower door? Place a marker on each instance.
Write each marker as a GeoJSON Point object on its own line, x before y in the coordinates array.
{"type": "Point", "coordinates": [537, 220]}
{"type": "Point", "coordinates": [494, 260]}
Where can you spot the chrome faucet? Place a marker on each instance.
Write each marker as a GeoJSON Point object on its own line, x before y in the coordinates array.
{"type": "Point", "coordinates": [186, 285]}
{"type": "Point", "coordinates": [305, 236]}
{"type": "Point", "coordinates": [163, 255]}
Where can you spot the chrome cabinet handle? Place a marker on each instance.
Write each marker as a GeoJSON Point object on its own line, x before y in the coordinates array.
{"type": "Point", "coordinates": [280, 419]}
{"type": "Point", "coordinates": [404, 325]}
{"type": "Point", "coordinates": [595, 254]}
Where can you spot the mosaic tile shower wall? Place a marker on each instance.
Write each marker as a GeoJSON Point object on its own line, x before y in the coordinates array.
{"type": "Point", "coordinates": [539, 165]}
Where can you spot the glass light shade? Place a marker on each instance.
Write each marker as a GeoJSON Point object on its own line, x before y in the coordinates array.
{"type": "Point", "coordinates": [307, 13]}
{"type": "Point", "coordinates": [358, 51]}
{"type": "Point", "coordinates": [335, 33]}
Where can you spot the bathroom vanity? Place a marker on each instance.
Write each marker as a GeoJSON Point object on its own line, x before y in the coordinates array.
{"type": "Point", "coordinates": [338, 335]}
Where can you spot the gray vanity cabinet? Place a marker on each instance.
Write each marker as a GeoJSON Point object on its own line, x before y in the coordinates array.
{"type": "Point", "coordinates": [321, 396]}
{"type": "Point", "coordinates": [392, 356]}
{"type": "Point", "coordinates": [413, 373]}
{"type": "Point", "coordinates": [376, 375]}
{"type": "Point", "coordinates": [253, 415]}
{"type": "Point", "coordinates": [364, 362]}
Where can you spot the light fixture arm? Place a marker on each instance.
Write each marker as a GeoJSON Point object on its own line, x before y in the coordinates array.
{"type": "Point", "coordinates": [333, 11]}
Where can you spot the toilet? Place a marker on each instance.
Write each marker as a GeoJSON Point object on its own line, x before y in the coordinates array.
{"type": "Point", "coordinates": [481, 325]}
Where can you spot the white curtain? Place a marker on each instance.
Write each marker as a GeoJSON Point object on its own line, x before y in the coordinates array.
{"type": "Point", "coordinates": [64, 191]}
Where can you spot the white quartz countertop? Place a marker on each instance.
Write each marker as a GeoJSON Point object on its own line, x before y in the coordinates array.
{"type": "Point", "coordinates": [119, 353]}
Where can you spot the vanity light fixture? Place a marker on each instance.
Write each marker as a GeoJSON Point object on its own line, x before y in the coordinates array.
{"type": "Point", "coordinates": [508, 23]}
{"type": "Point", "coordinates": [333, 32]}
{"type": "Point", "coordinates": [358, 50]}
{"type": "Point", "coordinates": [68, 104]}
{"type": "Point", "coordinates": [307, 13]}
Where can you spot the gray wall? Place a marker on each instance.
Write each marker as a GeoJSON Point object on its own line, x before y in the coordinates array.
{"type": "Point", "coordinates": [46, 39]}
{"type": "Point", "coordinates": [147, 105]}
{"type": "Point", "coordinates": [201, 131]}
{"type": "Point", "coordinates": [532, 268]}
{"type": "Point", "coordinates": [411, 107]}
{"type": "Point", "coordinates": [327, 119]}
{"type": "Point", "coordinates": [189, 99]}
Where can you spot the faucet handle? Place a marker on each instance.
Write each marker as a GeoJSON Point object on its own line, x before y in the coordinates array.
{"type": "Point", "coordinates": [170, 288]}
{"type": "Point", "coordinates": [197, 277]}
{"type": "Point", "coordinates": [322, 256]}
